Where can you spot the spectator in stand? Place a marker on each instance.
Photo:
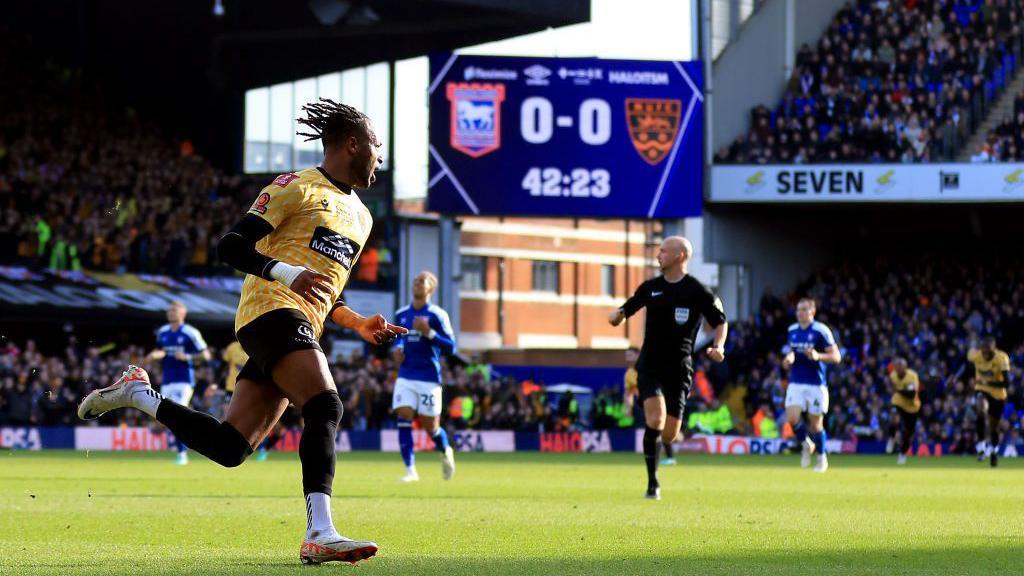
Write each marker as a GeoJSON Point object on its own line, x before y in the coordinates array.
{"type": "Point", "coordinates": [887, 82]}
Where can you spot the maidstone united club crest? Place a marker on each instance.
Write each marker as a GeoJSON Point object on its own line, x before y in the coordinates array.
{"type": "Point", "coordinates": [653, 126]}
{"type": "Point", "coordinates": [475, 117]}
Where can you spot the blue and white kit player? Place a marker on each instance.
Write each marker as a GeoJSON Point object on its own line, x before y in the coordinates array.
{"type": "Point", "coordinates": [178, 344]}
{"type": "Point", "coordinates": [810, 346]}
{"type": "Point", "coordinates": [418, 388]}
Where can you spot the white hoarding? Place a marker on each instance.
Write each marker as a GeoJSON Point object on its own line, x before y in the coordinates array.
{"type": "Point", "coordinates": [868, 183]}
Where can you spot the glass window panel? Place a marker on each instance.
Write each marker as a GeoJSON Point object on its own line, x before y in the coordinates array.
{"type": "Point", "coordinates": [329, 86]}
{"type": "Point", "coordinates": [281, 125]}
{"type": "Point", "coordinates": [412, 78]}
{"type": "Point", "coordinates": [304, 153]}
{"type": "Point", "coordinates": [353, 88]}
{"type": "Point", "coordinates": [257, 130]}
{"type": "Point", "coordinates": [545, 276]}
{"type": "Point", "coordinates": [473, 278]}
{"type": "Point", "coordinates": [607, 280]}
{"type": "Point", "coordinates": [378, 83]}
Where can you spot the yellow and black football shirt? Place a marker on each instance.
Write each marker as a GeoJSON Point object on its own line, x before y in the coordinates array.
{"type": "Point", "coordinates": [989, 373]}
{"type": "Point", "coordinates": [318, 225]}
{"type": "Point", "coordinates": [909, 383]}
{"type": "Point", "coordinates": [235, 357]}
{"type": "Point", "coordinates": [630, 381]}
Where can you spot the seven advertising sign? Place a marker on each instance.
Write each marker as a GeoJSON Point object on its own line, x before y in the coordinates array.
{"type": "Point", "coordinates": [868, 183]}
{"type": "Point", "coordinates": [565, 137]}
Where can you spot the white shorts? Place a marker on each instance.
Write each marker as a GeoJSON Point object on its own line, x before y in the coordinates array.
{"type": "Point", "coordinates": [423, 397]}
{"type": "Point", "coordinates": [180, 393]}
{"type": "Point", "coordinates": [810, 399]}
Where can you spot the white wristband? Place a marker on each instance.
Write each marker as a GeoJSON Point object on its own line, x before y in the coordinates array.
{"type": "Point", "coordinates": [431, 334]}
{"type": "Point", "coordinates": [285, 273]}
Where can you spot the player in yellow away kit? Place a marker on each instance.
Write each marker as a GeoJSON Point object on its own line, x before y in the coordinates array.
{"type": "Point", "coordinates": [298, 243]}
{"type": "Point", "coordinates": [991, 379]}
{"type": "Point", "coordinates": [906, 400]}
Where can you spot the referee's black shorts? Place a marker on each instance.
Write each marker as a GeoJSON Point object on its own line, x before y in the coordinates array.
{"type": "Point", "coordinates": [674, 387]}
{"type": "Point", "coordinates": [272, 335]}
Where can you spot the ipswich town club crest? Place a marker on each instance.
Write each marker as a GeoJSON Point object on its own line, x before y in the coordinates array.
{"type": "Point", "coordinates": [475, 117]}
{"type": "Point", "coordinates": [653, 126]}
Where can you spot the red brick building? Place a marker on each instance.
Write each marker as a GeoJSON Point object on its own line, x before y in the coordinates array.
{"type": "Point", "coordinates": [551, 283]}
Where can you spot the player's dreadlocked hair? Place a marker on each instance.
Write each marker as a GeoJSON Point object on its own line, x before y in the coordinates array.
{"type": "Point", "coordinates": [330, 121]}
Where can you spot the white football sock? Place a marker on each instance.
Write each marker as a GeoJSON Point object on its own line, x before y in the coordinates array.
{"type": "Point", "coordinates": [146, 399]}
{"type": "Point", "coordinates": [318, 515]}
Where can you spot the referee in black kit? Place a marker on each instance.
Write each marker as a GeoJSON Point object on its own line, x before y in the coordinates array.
{"type": "Point", "coordinates": [675, 303]}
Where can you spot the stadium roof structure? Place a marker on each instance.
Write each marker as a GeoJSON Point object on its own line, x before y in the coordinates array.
{"type": "Point", "coordinates": [247, 43]}
{"type": "Point", "coordinates": [328, 35]}
{"type": "Point", "coordinates": [191, 60]}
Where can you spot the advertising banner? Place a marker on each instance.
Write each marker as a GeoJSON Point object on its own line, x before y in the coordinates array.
{"type": "Point", "coordinates": [463, 441]}
{"type": "Point", "coordinates": [740, 445]}
{"type": "Point", "coordinates": [565, 137]}
{"type": "Point", "coordinates": [32, 438]}
{"type": "Point", "coordinates": [121, 438]}
{"type": "Point", "coordinates": [835, 183]}
{"type": "Point", "coordinates": [584, 441]}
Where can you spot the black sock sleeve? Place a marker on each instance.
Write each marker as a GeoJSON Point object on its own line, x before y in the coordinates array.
{"type": "Point", "coordinates": [218, 441]}
{"type": "Point", "coordinates": [321, 415]}
{"type": "Point", "coordinates": [237, 248]}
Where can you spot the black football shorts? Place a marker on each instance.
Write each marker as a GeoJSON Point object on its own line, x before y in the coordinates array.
{"type": "Point", "coordinates": [675, 388]}
{"type": "Point", "coordinates": [272, 335]}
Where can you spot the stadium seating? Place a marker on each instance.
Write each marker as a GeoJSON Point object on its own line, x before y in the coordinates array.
{"type": "Point", "coordinates": [1006, 142]}
{"type": "Point", "coordinates": [928, 312]}
{"type": "Point", "coordinates": [115, 196]}
{"type": "Point", "coordinates": [889, 81]}
{"type": "Point", "coordinates": [39, 389]}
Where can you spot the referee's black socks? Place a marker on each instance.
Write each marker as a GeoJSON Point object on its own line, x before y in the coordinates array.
{"type": "Point", "coordinates": [652, 440]}
{"type": "Point", "coordinates": [218, 441]}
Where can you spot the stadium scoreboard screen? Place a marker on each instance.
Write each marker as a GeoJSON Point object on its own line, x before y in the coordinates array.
{"type": "Point", "coordinates": [565, 137]}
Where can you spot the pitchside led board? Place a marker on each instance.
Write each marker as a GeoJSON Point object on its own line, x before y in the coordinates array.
{"type": "Point", "coordinates": [580, 137]}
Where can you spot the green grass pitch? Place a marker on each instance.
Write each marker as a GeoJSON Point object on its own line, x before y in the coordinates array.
{"type": "Point", "coordinates": [68, 513]}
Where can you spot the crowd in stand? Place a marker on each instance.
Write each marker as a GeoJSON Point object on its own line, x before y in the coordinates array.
{"type": "Point", "coordinates": [39, 389]}
{"type": "Point", "coordinates": [1005, 143]}
{"type": "Point", "coordinates": [889, 81]}
{"type": "Point", "coordinates": [929, 312]}
{"type": "Point", "coordinates": [92, 186]}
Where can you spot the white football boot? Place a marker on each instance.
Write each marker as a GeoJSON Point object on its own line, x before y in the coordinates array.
{"type": "Point", "coordinates": [805, 453]}
{"type": "Point", "coordinates": [334, 547]}
{"type": "Point", "coordinates": [448, 463]}
{"type": "Point", "coordinates": [822, 464]}
{"type": "Point", "coordinates": [120, 394]}
{"type": "Point", "coordinates": [410, 475]}
{"type": "Point", "coordinates": [901, 460]}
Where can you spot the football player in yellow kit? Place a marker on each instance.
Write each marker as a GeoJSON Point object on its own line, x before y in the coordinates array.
{"type": "Point", "coordinates": [297, 244]}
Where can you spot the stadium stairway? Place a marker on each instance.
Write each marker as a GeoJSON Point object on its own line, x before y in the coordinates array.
{"type": "Point", "coordinates": [1001, 110]}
